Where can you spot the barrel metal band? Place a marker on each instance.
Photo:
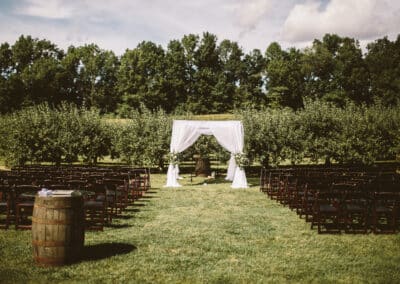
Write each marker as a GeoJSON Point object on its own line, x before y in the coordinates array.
{"type": "Point", "coordinates": [48, 260]}
{"type": "Point", "coordinates": [52, 207]}
{"type": "Point", "coordinates": [48, 243]}
{"type": "Point", "coordinates": [50, 222]}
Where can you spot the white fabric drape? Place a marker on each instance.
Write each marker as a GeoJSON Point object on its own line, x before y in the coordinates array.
{"type": "Point", "coordinates": [229, 134]}
{"type": "Point", "coordinates": [232, 140]}
{"type": "Point", "coordinates": [183, 136]}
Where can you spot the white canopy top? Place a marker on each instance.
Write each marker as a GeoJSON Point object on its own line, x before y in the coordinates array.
{"type": "Point", "coordinates": [229, 134]}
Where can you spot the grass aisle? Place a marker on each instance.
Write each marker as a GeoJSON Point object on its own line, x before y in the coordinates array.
{"type": "Point", "coordinates": [211, 234]}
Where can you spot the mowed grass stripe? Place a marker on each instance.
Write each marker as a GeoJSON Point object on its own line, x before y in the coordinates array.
{"type": "Point", "coordinates": [212, 234]}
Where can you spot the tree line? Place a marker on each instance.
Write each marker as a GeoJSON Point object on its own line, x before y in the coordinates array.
{"type": "Point", "coordinates": [198, 74]}
{"type": "Point", "coordinates": [319, 132]}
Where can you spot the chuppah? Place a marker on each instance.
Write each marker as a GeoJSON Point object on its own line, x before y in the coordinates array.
{"type": "Point", "coordinates": [229, 134]}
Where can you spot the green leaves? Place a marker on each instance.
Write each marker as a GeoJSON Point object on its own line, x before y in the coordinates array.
{"type": "Point", "coordinates": [241, 160]}
{"type": "Point", "coordinates": [322, 132]}
{"type": "Point", "coordinates": [41, 134]}
{"type": "Point", "coordinates": [141, 77]}
{"type": "Point", "coordinates": [173, 158]}
{"type": "Point", "coordinates": [319, 132]}
{"type": "Point", "coordinates": [198, 74]}
{"type": "Point", "coordinates": [144, 138]}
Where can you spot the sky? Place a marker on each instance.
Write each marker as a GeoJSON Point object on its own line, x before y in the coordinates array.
{"type": "Point", "coordinates": [120, 24]}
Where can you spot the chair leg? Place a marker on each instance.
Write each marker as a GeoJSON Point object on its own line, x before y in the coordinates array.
{"type": "Point", "coordinates": [319, 222]}
{"type": "Point", "coordinates": [5, 226]}
{"type": "Point", "coordinates": [20, 215]}
{"type": "Point", "coordinates": [8, 219]}
{"type": "Point", "coordinates": [393, 223]}
{"type": "Point", "coordinates": [17, 217]}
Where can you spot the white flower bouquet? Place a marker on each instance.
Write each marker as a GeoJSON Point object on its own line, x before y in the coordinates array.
{"type": "Point", "coordinates": [173, 158]}
{"type": "Point", "coordinates": [241, 160]}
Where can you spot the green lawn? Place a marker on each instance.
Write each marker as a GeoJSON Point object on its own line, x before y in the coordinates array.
{"type": "Point", "coordinates": [214, 234]}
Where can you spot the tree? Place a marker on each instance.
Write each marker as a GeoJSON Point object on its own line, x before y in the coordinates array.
{"type": "Point", "coordinates": [141, 77]}
{"type": "Point", "coordinates": [145, 138]}
{"type": "Point", "coordinates": [175, 75]}
{"type": "Point", "coordinates": [352, 72]}
{"type": "Point", "coordinates": [273, 135]}
{"type": "Point", "coordinates": [285, 77]}
{"type": "Point", "coordinates": [252, 85]}
{"type": "Point", "coordinates": [190, 45]}
{"type": "Point", "coordinates": [383, 61]}
{"type": "Point", "coordinates": [11, 88]}
{"type": "Point", "coordinates": [40, 82]}
{"type": "Point", "coordinates": [335, 70]}
{"type": "Point", "coordinates": [318, 67]}
{"type": "Point", "coordinates": [95, 76]}
{"type": "Point", "coordinates": [203, 71]}
{"type": "Point", "coordinates": [95, 138]}
{"type": "Point", "coordinates": [35, 64]}
{"type": "Point", "coordinates": [68, 77]}
{"type": "Point", "coordinates": [233, 68]}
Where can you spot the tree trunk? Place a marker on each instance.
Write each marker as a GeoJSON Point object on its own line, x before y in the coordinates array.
{"type": "Point", "coordinates": [327, 161]}
{"type": "Point", "coordinates": [265, 162]}
{"type": "Point", "coordinates": [203, 167]}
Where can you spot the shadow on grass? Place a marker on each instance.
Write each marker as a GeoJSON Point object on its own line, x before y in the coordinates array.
{"type": "Point", "coordinates": [118, 226]}
{"type": "Point", "coordinates": [123, 217]}
{"type": "Point", "coordinates": [212, 181]}
{"type": "Point", "coordinates": [149, 196]}
{"type": "Point", "coordinates": [131, 210]}
{"type": "Point", "coordinates": [105, 250]}
{"type": "Point", "coordinates": [254, 181]}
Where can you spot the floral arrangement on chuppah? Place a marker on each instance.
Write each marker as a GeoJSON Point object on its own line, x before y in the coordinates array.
{"type": "Point", "coordinates": [173, 158]}
{"type": "Point", "coordinates": [241, 160]}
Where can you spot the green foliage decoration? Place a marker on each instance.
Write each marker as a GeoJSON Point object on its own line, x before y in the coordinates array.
{"type": "Point", "coordinates": [241, 160]}
{"type": "Point", "coordinates": [173, 158]}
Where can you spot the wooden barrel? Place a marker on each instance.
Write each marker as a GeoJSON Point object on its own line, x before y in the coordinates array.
{"type": "Point", "coordinates": [57, 229]}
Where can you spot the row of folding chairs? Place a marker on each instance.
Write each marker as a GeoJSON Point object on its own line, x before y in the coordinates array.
{"type": "Point", "coordinates": [335, 201]}
{"type": "Point", "coordinates": [105, 195]}
{"type": "Point", "coordinates": [45, 176]}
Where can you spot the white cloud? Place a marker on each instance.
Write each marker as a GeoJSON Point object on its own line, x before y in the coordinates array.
{"type": "Point", "coordinates": [250, 13]}
{"type": "Point", "coordinates": [362, 19]}
{"type": "Point", "coordinates": [52, 9]}
{"type": "Point", "coordinates": [121, 24]}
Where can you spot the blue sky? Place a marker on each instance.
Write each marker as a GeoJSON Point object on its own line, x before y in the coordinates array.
{"type": "Point", "coordinates": [121, 24]}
